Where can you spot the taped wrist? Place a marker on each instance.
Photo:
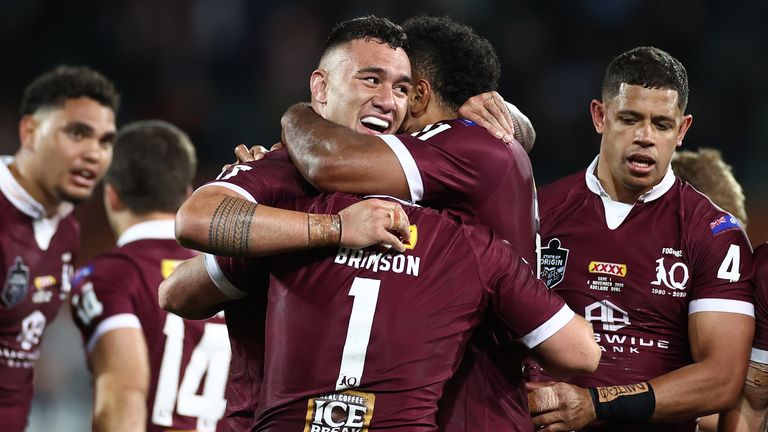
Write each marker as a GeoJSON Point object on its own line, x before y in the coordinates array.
{"type": "Point", "coordinates": [323, 230]}
{"type": "Point", "coordinates": [625, 402]}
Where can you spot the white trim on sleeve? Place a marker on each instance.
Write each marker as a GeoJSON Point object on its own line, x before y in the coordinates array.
{"type": "Point", "coordinates": [234, 188]}
{"type": "Point", "coordinates": [220, 280]}
{"type": "Point", "coordinates": [123, 320]}
{"type": "Point", "coordinates": [759, 356]}
{"type": "Point", "coordinates": [721, 305]}
{"type": "Point", "coordinates": [550, 327]}
{"type": "Point", "coordinates": [411, 170]}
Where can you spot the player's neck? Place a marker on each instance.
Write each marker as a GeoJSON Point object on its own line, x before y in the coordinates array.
{"type": "Point", "coordinates": [614, 188]}
{"type": "Point", "coordinates": [436, 112]}
{"type": "Point", "coordinates": [22, 172]}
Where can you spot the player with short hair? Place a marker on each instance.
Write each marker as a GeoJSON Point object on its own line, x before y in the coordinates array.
{"type": "Point", "coordinates": [152, 370]}
{"type": "Point", "coordinates": [452, 163]}
{"type": "Point", "coordinates": [661, 272]}
{"type": "Point", "coordinates": [354, 336]}
{"type": "Point", "coordinates": [66, 131]}
{"type": "Point", "coordinates": [508, 171]}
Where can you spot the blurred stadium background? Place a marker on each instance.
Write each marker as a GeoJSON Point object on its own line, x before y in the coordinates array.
{"type": "Point", "coordinates": [224, 71]}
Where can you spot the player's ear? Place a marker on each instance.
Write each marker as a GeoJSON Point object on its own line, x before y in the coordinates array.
{"type": "Point", "coordinates": [112, 198]}
{"type": "Point", "coordinates": [420, 96]}
{"type": "Point", "coordinates": [318, 86]}
{"type": "Point", "coordinates": [597, 109]}
{"type": "Point", "coordinates": [27, 128]}
{"type": "Point", "coordinates": [684, 126]}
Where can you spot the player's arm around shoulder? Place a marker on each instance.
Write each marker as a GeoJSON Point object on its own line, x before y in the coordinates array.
{"type": "Point", "coordinates": [120, 366]}
{"type": "Point", "coordinates": [335, 158]}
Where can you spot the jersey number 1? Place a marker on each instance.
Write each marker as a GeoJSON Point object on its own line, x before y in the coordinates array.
{"type": "Point", "coordinates": [210, 359]}
{"type": "Point", "coordinates": [366, 294]}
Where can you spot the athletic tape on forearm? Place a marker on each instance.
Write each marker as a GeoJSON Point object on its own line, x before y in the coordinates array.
{"type": "Point", "coordinates": [323, 230]}
{"type": "Point", "coordinates": [625, 402]}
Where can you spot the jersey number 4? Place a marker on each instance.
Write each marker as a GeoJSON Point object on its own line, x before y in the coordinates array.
{"type": "Point", "coordinates": [210, 359]}
{"type": "Point", "coordinates": [365, 293]}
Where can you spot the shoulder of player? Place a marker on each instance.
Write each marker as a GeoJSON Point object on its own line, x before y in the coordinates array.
{"type": "Point", "coordinates": [459, 132]}
{"type": "Point", "coordinates": [696, 209]}
{"type": "Point", "coordinates": [561, 193]}
{"type": "Point", "coordinates": [105, 270]}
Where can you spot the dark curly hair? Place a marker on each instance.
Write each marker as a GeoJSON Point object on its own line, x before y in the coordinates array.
{"type": "Point", "coordinates": [367, 27]}
{"type": "Point", "coordinates": [649, 67]}
{"type": "Point", "coordinates": [456, 61]}
{"type": "Point", "coordinates": [55, 87]}
{"type": "Point", "coordinates": [152, 167]}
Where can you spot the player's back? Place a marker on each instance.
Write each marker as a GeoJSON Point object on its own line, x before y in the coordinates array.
{"type": "Point", "coordinates": [367, 339]}
{"type": "Point", "coordinates": [188, 360]}
{"type": "Point", "coordinates": [36, 256]}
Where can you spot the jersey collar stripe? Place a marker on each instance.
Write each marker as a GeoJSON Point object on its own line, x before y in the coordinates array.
{"type": "Point", "coordinates": [156, 229]}
{"type": "Point", "coordinates": [721, 305]}
{"type": "Point", "coordinates": [124, 320]}
{"type": "Point", "coordinates": [234, 188]}
{"type": "Point", "coordinates": [759, 356]}
{"type": "Point", "coordinates": [220, 280]}
{"type": "Point", "coordinates": [411, 170]}
{"type": "Point", "coordinates": [550, 327]}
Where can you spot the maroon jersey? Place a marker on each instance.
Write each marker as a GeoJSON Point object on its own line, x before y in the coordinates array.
{"type": "Point", "coordinates": [458, 165]}
{"type": "Point", "coordinates": [638, 271]}
{"type": "Point", "coordinates": [267, 181]}
{"type": "Point", "coordinates": [365, 334]}
{"type": "Point", "coordinates": [189, 360]}
{"type": "Point", "coordinates": [36, 254]}
{"type": "Point", "coordinates": [760, 344]}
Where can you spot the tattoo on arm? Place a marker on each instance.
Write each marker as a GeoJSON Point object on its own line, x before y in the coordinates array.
{"type": "Point", "coordinates": [231, 226]}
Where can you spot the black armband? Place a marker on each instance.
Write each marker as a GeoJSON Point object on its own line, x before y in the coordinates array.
{"type": "Point", "coordinates": [626, 402]}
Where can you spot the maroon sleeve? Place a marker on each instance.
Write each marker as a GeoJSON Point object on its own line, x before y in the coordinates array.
{"type": "Point", "coordinates": [267, 181]}
{"type": "Point", "coordinates": [532, 312]}
{"type": "Point", "coordinates": [760, 344]}
{"type": "Point", "coordinates": [101, 291]}
{"type": "Point", "coordinates": [237, 277]}
{"type": "Point", "coordinates": [722, 265]}
{"type": "Point", "coordinates": [454, 164]}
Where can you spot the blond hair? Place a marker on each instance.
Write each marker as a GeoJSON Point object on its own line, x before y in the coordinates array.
{"type": "Point", "coordinates": [706, 171]}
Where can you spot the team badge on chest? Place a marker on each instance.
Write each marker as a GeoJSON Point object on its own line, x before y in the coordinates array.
{"type": "Point", "coordinates": [553, 261]}
{"type": "Point", "coordinates": [16, 283]}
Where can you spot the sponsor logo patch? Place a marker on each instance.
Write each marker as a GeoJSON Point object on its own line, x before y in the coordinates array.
{"type": "Point", "coordinates": [553, 261]}
{"type": "Point", "coordinates": [414, 237]}
{"type": "Point", "coordinates": [167, 266]}
{"type": "Point", "coordinates": [347, 411]}
{"type": "Point", "coordinates": [724, 223]}
{"type": "Point", "coordinates": [16, 283]}
{"type": "Point", "coordinates": [43, 282]}
{"type": "Point", "coordinates": [608, 268]}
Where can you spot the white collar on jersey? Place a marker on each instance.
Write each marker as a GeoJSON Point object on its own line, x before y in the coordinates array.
{"type": "Point", "coordinates": [155, 230]}
{"type": "Point", "coordinates": [615, 211]}
{"type": "Point", "coordinates": [44, 227]}
{"type": "Point", "coordinates": [391, 198]}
